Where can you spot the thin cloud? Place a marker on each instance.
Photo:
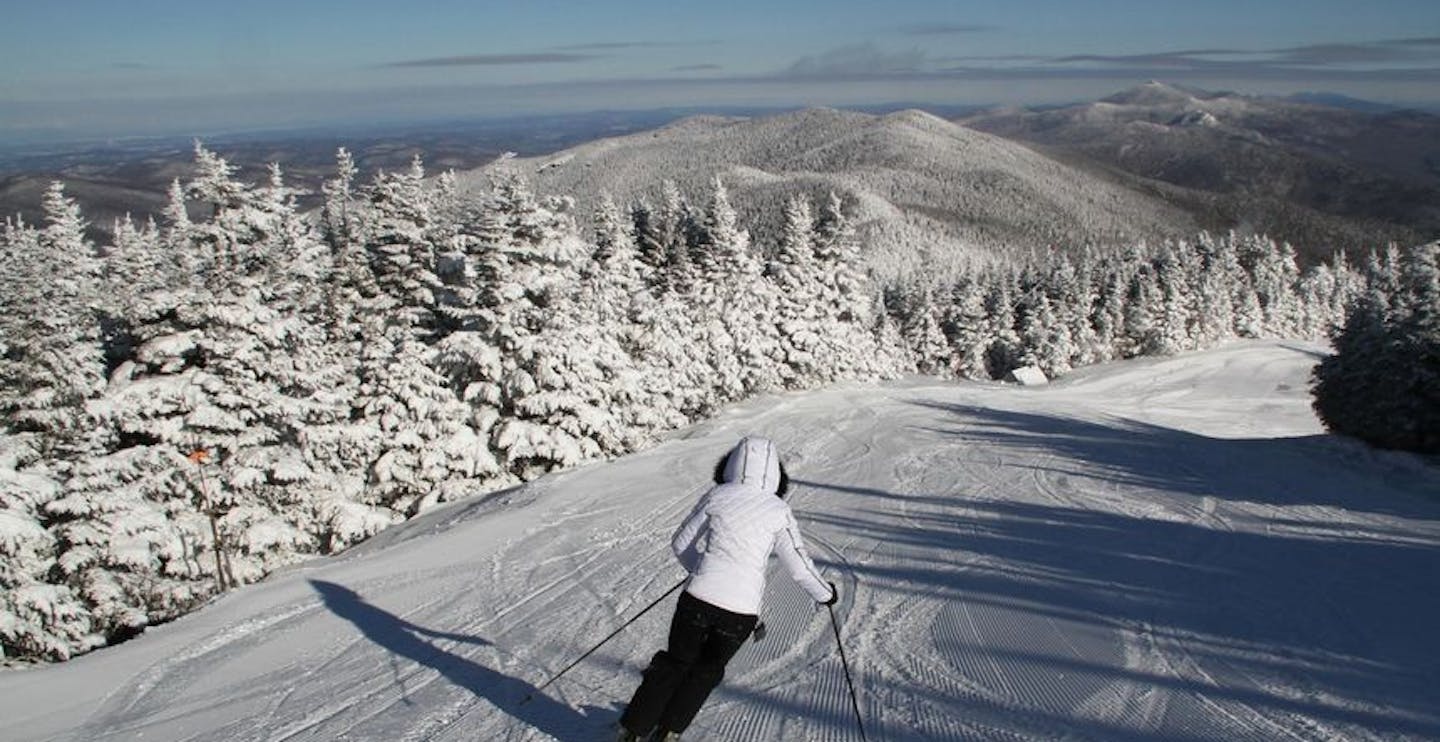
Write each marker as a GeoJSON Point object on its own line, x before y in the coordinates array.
{"type": "Point", "coordinates": [1394, 50]}
{"type": "Point", "coordinates": [1192, 60]}
{"type": "Point", "coordinates": [496, 60]}
{"type": "Point", "coordinates": [1431, 41]}
{"type": "Point", "coordinates": [614, 45]}
{"type": "Point", "coordinates": [944, 29]}
{"type": "Point", "coordinates": [1328, 54]}
{"type": "Point", "coordinates": [1314, 56]}
{"type": "Point", "coordinates": [993, 58]}
{"type": "Point", "coordinates": [623, 45]}
{"type": "Point", "coordinates": [1232, 72]}
{"type": "Point", "coordinates": [856, 61]}
{"type": "Point", "coordinates": [868, 62]}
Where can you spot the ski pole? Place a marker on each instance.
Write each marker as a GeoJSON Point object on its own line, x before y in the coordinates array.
{"type": "Point", "coordinates": [855, 704]}
{"type": "Point", "coordinates": [612, 635]}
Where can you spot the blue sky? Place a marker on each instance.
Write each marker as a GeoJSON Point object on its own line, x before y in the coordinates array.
{"type": "Point", "coordinates": [86, 67]}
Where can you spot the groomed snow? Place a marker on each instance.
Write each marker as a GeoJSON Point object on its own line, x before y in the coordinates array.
{"type": "Point", "coordinates": [1158, 549]}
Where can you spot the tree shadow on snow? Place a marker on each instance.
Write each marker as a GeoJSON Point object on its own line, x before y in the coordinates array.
{"type": "Point", "coordinates": [1306, 470]}
{"type": "Point", "coordinates": [408, 640]}
{"type": "Point", "coordinates": [1337, 609]}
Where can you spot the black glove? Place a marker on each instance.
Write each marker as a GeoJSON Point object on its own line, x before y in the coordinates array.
{"type": "Point", "coordinates": [834, 595]}
{"type": "Point", "coordinates": [759, 633]}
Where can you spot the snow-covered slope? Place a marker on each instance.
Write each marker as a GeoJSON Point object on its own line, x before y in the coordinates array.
{"type": "Point", "coordinates": [1162, 549]}
{"type": "Point", "coordinates": [927, 191]}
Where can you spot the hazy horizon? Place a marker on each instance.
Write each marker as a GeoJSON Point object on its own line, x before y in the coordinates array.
{"type": "Point", "coordinates": [87, 69]}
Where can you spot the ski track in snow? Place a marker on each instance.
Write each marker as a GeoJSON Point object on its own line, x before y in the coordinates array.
{"type": "Point", "coordinates": [1155, 550]}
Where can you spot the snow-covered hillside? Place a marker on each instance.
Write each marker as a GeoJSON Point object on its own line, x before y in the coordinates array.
{"type": "Point", "coordinates": [1316, 176]}
{"type": "Point", "coordinates": [1156, 549]}
{"type": "Point", "coordinates": [927, 192]}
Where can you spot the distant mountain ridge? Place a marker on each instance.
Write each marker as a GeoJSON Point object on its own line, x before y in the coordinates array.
{"type": "Point", "coordinates": [926, 191]}
{"type": "Point", "coordinates": [1149, 163]}
{"type": "Point", "coordinates": [1338, 100]}
{"type": "Point", "coordinates": [1304, 170]}
{"type": "Point", "coordinates": [112, 179]}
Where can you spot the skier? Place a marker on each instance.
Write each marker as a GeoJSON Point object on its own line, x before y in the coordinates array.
{"type": "Point", "coordinates": [724, 544]}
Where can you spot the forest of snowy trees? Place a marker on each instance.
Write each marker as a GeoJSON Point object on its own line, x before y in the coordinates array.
{"type": "Point", "coordinates": [236, 385]}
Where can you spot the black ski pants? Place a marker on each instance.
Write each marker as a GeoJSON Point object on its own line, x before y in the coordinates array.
{"type": "Point", "coordinates": [703, 638]}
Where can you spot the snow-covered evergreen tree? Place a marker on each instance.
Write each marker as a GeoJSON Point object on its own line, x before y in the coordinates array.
{"type": "Point", "coordinates": [736, 307]}
{"type": "Point", "coordinates": [424, 446]}
{"type": "Point", "coordinates": [230, 237]}
{"type": "Point", "coordinates": [676, 224]}
{"type": "Point", "coordinates": [1073, 290]}
{"type": "Point", "coordinates": [1214, 319]}
{"type": "Point", "coordinates": [893, 357]}
{"type": "Point", "coordinates": [673, 361]}
{"type": "Point", "coordinates": [53, 360]}
{"type": "Point", "coordinates": [616, 277]}
{"type": "Point", "coordinates": [921, 329]}
{"type": "Point", "coordinates": [1382, 278]}
{"type": "Point", "coordinates": [1004, 353]}
{"type": "Point", "coordinates": [576, 396]}
{"type": "Point", "coordinates": [1316, 295]}
{"type": "Point", "coordinates": [1351, 386]}
{"type": "Point", "coordinates": [1383, 382]}
{"type": "Point", "coordinates": [1109, 315]}
{"type": "Point", "coordinates": [567, 398]}
{"type": "Point", "coordinates": [40, 618]}
{"type": "Point", "coordinates": [837, 249]}
{"type": "Point", "coordinates": [1144, 312]}
{"type": "Point", "coordinates": [134, 545]}
{"type": "Point", "coordinates": [1175, 318]}
{"type": "Point", "coordinates": [1420, 335]}
{"type": "Point", "coordinates": [968, 329]}
{"type": "Point", "coordinates": [136, 266]}
{"type": "Point", "coordinates": [800, 314]}
{"type": "Point", "coordinates": [1045, 339]}
{"type": "Point", "coordinates": [1349, 286]}
{"type": "Point", "coordinates": [340, 201]}
{"type": "Point", "coordinates": [848, 298]}
{"type": "Point", "coordinates": [238, 369]}
{"type": "Point", "coordinates": [613, 307]}
{"type": "Point", "coordinates": [525, 387]}
{"type": "Point", "coordinates": [395, 226]}
{"type": "Point", "coordinates": [1274, 274]}
{"type": "Point", "coordinates": [647, 239]}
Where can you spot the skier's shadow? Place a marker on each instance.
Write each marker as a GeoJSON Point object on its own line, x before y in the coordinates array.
{"type": "Point", "coordinates": [404, 639]}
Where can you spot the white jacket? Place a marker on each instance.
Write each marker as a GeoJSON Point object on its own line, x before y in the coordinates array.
{"type": "Point", "coordinates": [727, 539]}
